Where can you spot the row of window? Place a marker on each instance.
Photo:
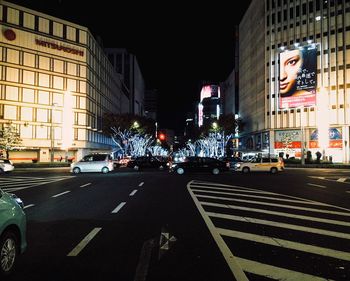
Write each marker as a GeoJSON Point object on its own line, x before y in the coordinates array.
{"type": "Point", "coordinates": [40, 24]}
{"type": "Point", "coordinates": [36, 61]}
{"type": "Point", "coordinates": [287, 17]}
{"type": "Point", "coordinates": [313, 4]}
{"type": "Point", "coordinates": [311, 109]}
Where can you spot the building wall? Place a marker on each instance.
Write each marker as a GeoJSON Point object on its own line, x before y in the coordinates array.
{"type": "Point", "coordinates": [56, 84]}
{"type": "Point", "coordinates": [284, 23]}
{"type": "Point", "coordinates": [228, 94]}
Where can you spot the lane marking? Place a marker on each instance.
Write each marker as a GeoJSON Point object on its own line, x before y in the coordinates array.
{"type": "Point", "coordinates": [116, 210]}
{"type": "Point", "coordinates": [84, 242]}
{"type": "Point", "coordinates": [281, 214]}
{"type": "Point", "coordinates": [231, 260]}
{"type": "Point", "coordinates": [141, 183]}
{"type": "Point", "coordinates": [28, 206]}
{"type": "Point", "coordinates": [348, 191]}
{"type": "Point", "coordinates": [59, 194]}
{"type": "Point", "coordinates": [286, 244]}
{"type": "Point", "coordinates": [342, 179]}
{"type": "Point", "coordinates": [85, 184]}
{"type": "Point", "coordinates": [144, 259]}
{"type": "Point", "coordinates": [133, 192]}
{"type": "Point", "coordinates": [282, 225]}
{"type": "Point", "coordinates": [317, 185]}
{"type": "Point", "coordinates": [274, 272]}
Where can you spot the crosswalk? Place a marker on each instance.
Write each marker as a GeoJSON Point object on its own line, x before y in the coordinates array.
{"type": "Point", "coordinates": [15, 183]}
{"type": "Point", "coordinates": [265, 235]}
{"type": "Point", "coordinates": [345, 180]}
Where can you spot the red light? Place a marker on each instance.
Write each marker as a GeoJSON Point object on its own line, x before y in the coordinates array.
{"type": "Point", "coordinates": [161, 136]}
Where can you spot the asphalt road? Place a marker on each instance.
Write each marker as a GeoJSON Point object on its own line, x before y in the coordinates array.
{"type": "Point", "coordinates": [153, 225]}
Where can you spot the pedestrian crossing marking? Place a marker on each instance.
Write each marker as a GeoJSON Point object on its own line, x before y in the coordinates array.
{"type": "Point", "coordinates": [11, 184]}
{"type": "Point", "coordinates": [208, 198]}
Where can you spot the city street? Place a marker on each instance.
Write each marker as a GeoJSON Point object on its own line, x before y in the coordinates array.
{"type": "Point", "coordinates": [155, 225]}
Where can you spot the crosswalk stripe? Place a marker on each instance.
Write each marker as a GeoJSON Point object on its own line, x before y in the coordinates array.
{"type": "Point", "coordinates": [282, 206]}
{"type": "Point", "coordinates": [281, 214]}
{"type": "Point", "coordinates": [281, 225]}
{"type": "Point", "coordinates": [263, 197]}
{"type": "Point", "coordinates": [276, 273]}
{"type": "Point", "coordinates": [285, 244]}
{"type": "Point", "coordinates": [342, 179]}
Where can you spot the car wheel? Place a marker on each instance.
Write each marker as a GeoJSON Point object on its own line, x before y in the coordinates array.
{"type": "Point", "coordinates": [180, 171]}
{"type": "Point", "coordinates": [76, 170]}
{"type": "Point", "coordinates": [216, 171]}
{"type": "Point", "coordinates": [274, 170]}
{"type": "Point", "coordinates": [105, 170]}
{"type": "Point", "coordinates": [8, 252]}
{"type": "Point", "coordinates": [245, 170]}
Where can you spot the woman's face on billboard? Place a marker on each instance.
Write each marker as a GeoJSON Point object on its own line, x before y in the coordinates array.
{"type": "Point", "coordinates": [290, 63]}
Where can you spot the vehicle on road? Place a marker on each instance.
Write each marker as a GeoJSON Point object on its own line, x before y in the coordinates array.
{"type": "Point", "coordinates": [262, 164]}
{"type": "Point", "coordinates": [13, 224]}
{"type": "Point", "coordinates": [97, 162]}
{"type": "Point", "coordinates": [233, 160]}
{"type": "Point", "coordinates": [200, 164]}
{"type": "Point", "coordinates": [6, 166]}
{"type": "Point", "coordinates": [143, 162]}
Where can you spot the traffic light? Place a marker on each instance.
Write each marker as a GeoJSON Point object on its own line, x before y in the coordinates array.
{"type": "Point", "coordinates": [161, 136]}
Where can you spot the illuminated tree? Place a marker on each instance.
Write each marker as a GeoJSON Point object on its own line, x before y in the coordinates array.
{"type": "Point", "coordinates": [9, 138]}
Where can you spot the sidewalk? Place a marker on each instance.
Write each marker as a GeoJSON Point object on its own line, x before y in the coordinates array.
{"type": "Point", "coordinates": [320, 165]}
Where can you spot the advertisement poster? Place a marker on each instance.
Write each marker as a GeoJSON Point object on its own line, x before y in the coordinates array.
{"type": "Point", "coordinates": [297, 85]}
{"type": "Point", "coordinates": [335, 138]}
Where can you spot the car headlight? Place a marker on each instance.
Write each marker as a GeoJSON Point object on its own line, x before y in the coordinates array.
{"type": "Point", "coordinates": [18, 200]}
{"type": "Point", "coordinates": [237, 165]}
{"type": "Point", "coordinates": [173, 165]}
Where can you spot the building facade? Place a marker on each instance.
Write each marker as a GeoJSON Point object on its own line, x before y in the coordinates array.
{"type": "Point", "coordinates": [56, 84]}
{"type": "Point", "coordinates": [317, 117]}
{"type": "Point", "coordinates": [127, 66]}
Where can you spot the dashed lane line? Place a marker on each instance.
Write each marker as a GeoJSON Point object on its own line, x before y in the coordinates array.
{"type": "Point", "coordinates": [141, 183]}
{"type": "Point", "coordinates": [87, 184]}
{"type": "Point", "coordinates": [116, 210]}
{"type": "Point", "coordinates": [60, 194]}
{"type": "Point", "coordinates": [133, 192]}
{"type": "Point", "coordinates": [28, 206]}
{"type": "Point", "coordinates": [84, 242]}
{"type": "Point", "coordinates": [317, 185]}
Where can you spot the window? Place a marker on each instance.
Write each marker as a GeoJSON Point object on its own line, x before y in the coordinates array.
{"type": "Point", "coordinates": [28, 77]}
{"type": "Point", "coordinates": [10, 112]}
{"type": "Point", "coordinates": [29, 59]}
{"type": "Point", "coordinates": [43, 97]}
{"type": "Point", "coordinates": [42, 115]}
{"type": "Point", "coordinates": [44, 80]}
{"type": "Point", "coordinates": [12, 74]}
{"type": "Point", "coordinates": [12, 56]}
{"type": "Point", "coordinates": [26, 114]}
{"type": "Point", "coordinates": [44, 62]}
{"type": "Point", "coordinates": [11, 93]}
{"type": "Point", "coordinates": [28, 95]}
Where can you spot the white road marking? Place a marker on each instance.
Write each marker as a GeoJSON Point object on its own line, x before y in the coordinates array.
{"type": "Point", "coordinates": [141, 183]}
{"type": "Point", "coordinates": [348, 191]}
{"type": "Point", "coordinates": [84, 242]}
{"type": "Point", "coordinates": [282, 225]}
{"type": "Point", "coordinates": [144, 259]}
{"type": "Point", "coordinates": [342, 179]}
{"type": "Point", "coordinates": [59, 194]}
{"type": "Point", "coordinates": [276, 273]}
{"type": "Point", "coordinates": [133, 192]}
{"type": "Point", "coordinates": [286, 244]}
{"type": "Point", "coordinates": [281, 214]}
{"type": "Point", "coordinates": [116, 210]}
{"type": "Point", "coordinates": [28, 206]}
{"type": "Point", "coordinates": [85, 184]}
{"type": "Point", "coordinates": [317, 185]}
{"type": "Point", "coordinates": [231, 260]}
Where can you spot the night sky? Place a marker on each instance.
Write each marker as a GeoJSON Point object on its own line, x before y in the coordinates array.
{"type": "Point", "coordinates": [178, 44]}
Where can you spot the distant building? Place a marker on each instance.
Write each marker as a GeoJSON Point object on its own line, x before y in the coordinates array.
{"type": "Point", "coordinates": [209, 106]}
{"type": "Point", "coordinates": [151, 104]}
{"type": "Point", "coordinates": [133, 86]}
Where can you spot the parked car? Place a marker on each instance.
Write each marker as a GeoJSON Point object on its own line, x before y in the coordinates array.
{"type": "Point", "coordinates": [200, 164]}
{"type": "Point", "coordinates": [147, 162]}
{"type": "Point", "coordinates": [6, 166]}
{"type": "Point", "coordinates": [262, 164]}
{"type": "Point", "coordinates": [97, 162]}
{"type": "Point", "coordinates": [13, 224]}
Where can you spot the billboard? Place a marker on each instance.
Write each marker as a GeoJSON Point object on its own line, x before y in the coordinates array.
{"type": "Point", "coordinates": [335, 137]}
{"type": "Point", "coordinates": [297, 77]}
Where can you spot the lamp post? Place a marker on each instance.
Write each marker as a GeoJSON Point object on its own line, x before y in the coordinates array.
{"type": "Point", "coordinates": [52, 135]}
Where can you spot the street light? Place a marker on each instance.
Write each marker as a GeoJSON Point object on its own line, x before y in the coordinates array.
{"type": "Point", "coordinates": [52, 158]}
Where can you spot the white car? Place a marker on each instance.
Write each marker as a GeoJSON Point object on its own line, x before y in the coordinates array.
{"type": "Point", "coordinates": [6, 166]}
{"type": "Point", "coordinates": [264, 164]}
{"type": "Point", "coordinates": [99, 162]}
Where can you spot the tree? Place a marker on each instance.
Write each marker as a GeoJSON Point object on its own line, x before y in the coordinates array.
{"type": "Point", "coordinates": [9, 138]}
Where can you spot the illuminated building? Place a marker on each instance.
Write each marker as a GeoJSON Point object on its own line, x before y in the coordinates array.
{"type": "Point", "coordinates": [56, 84]}
{"type": "Point", "coordinates": [275, 123]}
{"type": "Point", "coordinates": [209, 106]}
